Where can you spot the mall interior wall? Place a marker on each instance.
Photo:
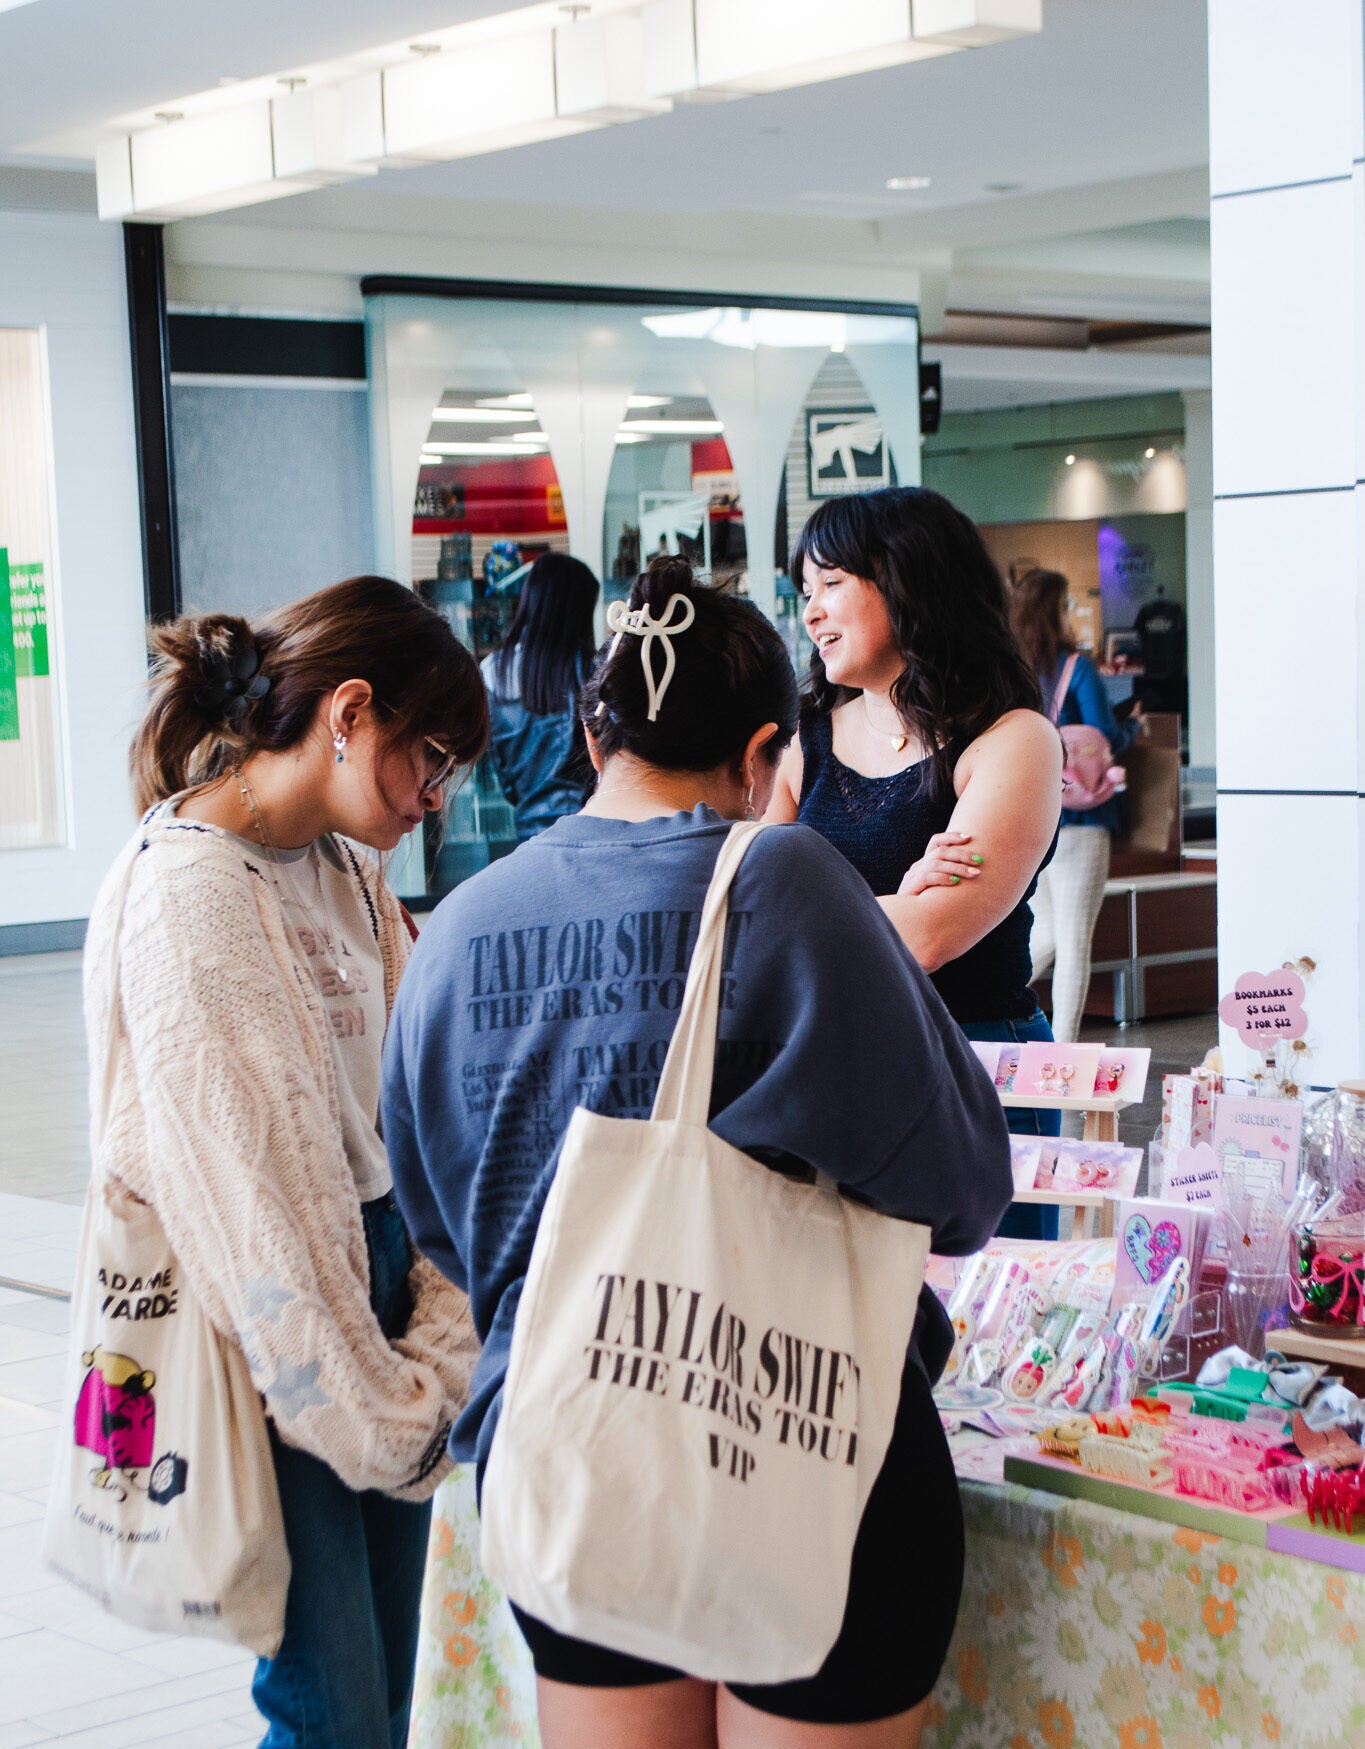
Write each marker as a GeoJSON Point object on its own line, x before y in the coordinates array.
{"type": "Point", "coordinates": [64, 275]}
{"type": "Point", "coordinates": [1287, 181]}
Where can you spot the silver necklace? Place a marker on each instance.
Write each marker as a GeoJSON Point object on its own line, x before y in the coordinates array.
{"type": "Point", "coordinates": [332, 935]}
{"type": "Point", "coordinates": [899, 740]}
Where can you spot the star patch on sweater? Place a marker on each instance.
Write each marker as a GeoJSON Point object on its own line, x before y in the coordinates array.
{"type": "Point", "coordinates": [296, 1389]}
{"type": "Point", "coordinates": [266, 1297]}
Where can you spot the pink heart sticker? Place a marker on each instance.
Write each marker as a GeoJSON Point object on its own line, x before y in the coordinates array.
{"type": "Point", "coordinates": [1151, 1250]}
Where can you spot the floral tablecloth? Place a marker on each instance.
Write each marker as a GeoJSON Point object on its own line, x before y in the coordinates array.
{"type": "Point", "coordinates": [1083, 1628]}
{"type": "Point", "coordinates": [1080, 1628]}
{"type": "Point", "coordinates": [475, 1684]}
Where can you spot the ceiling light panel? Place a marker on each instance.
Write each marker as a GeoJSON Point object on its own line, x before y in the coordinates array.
{"type": "Point", "coordinates": [483, 416]}
{"type": "Point", "coordinates": [600, 70]}
{"type": "Point", "coordinates": [480, 99]}
{"type": "Point", "coordinates": [307, 128]}
{"type": "Point", "coordinates": [738, 47]}
{"type": "Point", "coordinates": [204, 165]}
{"type": "Point", "coordinates": [976, 24]}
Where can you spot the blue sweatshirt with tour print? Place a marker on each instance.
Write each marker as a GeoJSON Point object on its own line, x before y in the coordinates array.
{"type": "Point", "coordinates": [553, 979]}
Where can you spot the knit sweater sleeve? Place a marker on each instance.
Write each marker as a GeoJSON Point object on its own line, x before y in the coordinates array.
{"type": "Point", "coordinates": [240, 1153]}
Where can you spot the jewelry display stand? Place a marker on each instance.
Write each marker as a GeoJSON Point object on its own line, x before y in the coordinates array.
{"type": "Point", "coordinates": [1101, 1125]}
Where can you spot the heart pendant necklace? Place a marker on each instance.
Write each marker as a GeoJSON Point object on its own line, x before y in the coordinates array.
{"type": "Point", "coordinates": [899, 739]}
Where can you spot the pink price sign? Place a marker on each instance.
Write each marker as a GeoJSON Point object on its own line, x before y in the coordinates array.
{"type": "Point", "coordinates": [1266, 1008]}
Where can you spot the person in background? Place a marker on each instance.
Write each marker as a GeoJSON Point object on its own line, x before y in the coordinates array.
{"type": "Point", "coordinates": [254, 954]}
{"type": "Point", "coordinates": [925, 757]}
{"type": "Point", "coordinates": [1071, 888]}
{"type": "Point", "coordinates": [474, 1118]}
{"type": "Point", "coordinates": [532, 680]}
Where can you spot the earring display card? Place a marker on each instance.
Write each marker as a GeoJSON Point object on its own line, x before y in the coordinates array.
{"type": "Point", "coordinates": [1025, 1159]}
{"type": "Point", "coordinates": [1065, 1071]}
{"type": "Point", "coordinates": [1007, 1068]}
{"type": "Point", "coordinates": [1122, 1073]}
{"type": "Point", "coordinates": [1151, 1235]}
{"type": "Point", "coordinates": [1106, 1167]}
{"type": "Point", "coordinates": [988, 1054]}
{"type": "Point", "coordinates": [1260, 1129]}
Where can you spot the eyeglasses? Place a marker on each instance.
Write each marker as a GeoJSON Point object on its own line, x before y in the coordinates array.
{"type": "Point", "coordinates": [440, 765]}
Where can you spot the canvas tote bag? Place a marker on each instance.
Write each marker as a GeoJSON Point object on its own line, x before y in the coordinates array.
{"type": "Point", "coordinates": [704, 1373]}
{"type": "Point", "coordinates": [164, 1505]}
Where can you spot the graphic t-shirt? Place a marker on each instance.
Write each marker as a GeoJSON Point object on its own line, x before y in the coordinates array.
{"type": "Point", "coordinates": [553, 980]}
{"type": "Point", "coordinates": [335, 935]}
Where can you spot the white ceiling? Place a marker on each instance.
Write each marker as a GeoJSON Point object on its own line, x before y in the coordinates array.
{"type": "Point", "coordinates": [1069, 170]}
{"type": "Point", "coordinates": [1110, 90]}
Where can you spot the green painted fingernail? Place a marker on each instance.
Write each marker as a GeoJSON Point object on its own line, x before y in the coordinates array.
{"type": "Point", "coordinates": [976, 858]}
{"type": "Point", "coordinates": [954, 880]}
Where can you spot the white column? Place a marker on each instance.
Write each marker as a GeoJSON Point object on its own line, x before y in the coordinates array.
{"type": "Point", "coordinates": [1286, 147]}
{"type": "Point", "coordinates": [1199, 573]}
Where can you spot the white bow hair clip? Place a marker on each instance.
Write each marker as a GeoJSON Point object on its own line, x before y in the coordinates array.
{"type": "Point", "coordinates": [640, 623]}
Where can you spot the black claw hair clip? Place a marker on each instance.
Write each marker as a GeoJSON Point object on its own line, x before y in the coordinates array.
{"type": "Point", "coordinates": [231, 686]}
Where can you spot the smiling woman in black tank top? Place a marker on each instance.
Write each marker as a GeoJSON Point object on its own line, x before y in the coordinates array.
{"type": "Point", "coordinates": [924, 753]}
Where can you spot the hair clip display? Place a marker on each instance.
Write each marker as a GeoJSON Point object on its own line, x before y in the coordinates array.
{"type": "Point", "coordinates": [1137, 1457]}
{"type": "Point", "coordinates": [1333, 1497]}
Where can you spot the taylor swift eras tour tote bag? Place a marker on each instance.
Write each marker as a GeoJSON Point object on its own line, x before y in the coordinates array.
{"type": "Point", "coordinates": [704, 1374]}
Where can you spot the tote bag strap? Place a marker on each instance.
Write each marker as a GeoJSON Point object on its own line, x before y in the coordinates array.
{"type": "Point", "coordinates": [684, 1094]}
{"type": "Point", "coordinates": [1063, 687]}
{"type": "Point", "coordinates": [115, 1011]}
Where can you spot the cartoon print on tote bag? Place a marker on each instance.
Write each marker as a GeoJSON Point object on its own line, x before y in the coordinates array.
{"type": "Point", "coordinates": [116, 1420]}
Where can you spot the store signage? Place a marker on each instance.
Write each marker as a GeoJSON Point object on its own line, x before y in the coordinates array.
{"type": "Point", "coordinates": [846, 452]}
{"type": "Point", "coordinates": [1266, 1008]}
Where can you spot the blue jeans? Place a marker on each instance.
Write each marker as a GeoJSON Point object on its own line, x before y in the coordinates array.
{"type": "Point", "coordinates": [1023, 1220]}
{"type": "Point", "coordinates": [342, 1678]}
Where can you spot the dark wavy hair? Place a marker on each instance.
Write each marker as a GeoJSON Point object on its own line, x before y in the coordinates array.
{"type": "Point", "coordinates": [552, 631]}
{"type": "Point", "coordinates": [732, 675]}
{"type": "Point", "coordinates": [963, 669]}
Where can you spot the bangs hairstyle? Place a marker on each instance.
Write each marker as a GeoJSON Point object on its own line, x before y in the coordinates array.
{"type": "Point", "coordinates": [423, 680]}
{"type": "Point", "coordinates": [732, 675]}
{"type": "Point", "coordinates": [963, 669]}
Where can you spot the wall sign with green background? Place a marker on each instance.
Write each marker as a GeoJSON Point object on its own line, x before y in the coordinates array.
{"type": "Point", "coordinates": [9, 692]}
{"type": "Point", "coordinates": [28, 611]}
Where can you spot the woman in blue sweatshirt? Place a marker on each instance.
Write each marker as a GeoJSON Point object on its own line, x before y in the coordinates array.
{"type": "Point", "coordinates": [552, 980]}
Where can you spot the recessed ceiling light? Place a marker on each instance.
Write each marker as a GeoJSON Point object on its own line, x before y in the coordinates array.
{"type": "Point", "coordinates": [1149, 453]}
{"type": "Point", "coordinates": [902, 182]}
{"type": "Point", "coordinates": [1071, 461]}
{"type": "Point", "coordinates": [483, 416]}
{"type": "Point", "coordinates": [675, 427]}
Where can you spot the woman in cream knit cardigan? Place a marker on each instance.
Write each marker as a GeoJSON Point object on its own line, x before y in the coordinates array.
{"type": "Point", "coordinates": [255, 956]}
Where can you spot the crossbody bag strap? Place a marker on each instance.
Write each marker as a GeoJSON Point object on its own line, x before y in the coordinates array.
{"type": "Point", "coordinates": [1063, 687]}
{"type": "Point", "coordinates": [684, 1093]}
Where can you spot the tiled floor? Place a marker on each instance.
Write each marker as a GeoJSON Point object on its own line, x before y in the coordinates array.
{"type": "Point", "coordinates": [68, 1672]}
